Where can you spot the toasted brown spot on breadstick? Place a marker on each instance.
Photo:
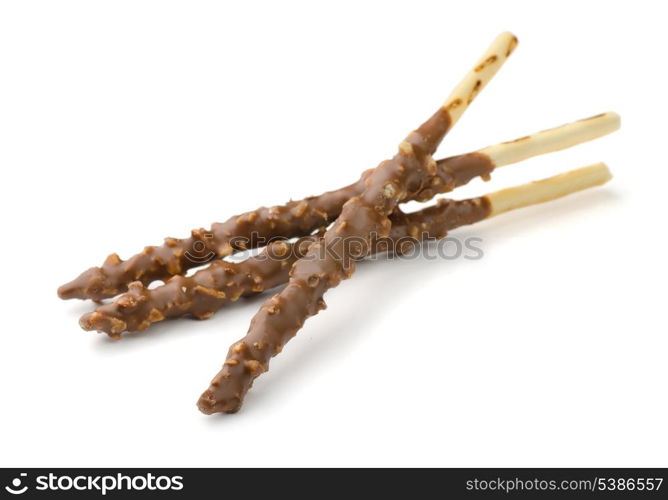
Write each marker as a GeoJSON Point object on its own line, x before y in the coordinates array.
{"type": "Point", "coordinates": [490, 60]}
{"type": "Point", "coordinates": [519, 139]}
{"type": "Point", "coordinates": [454, 104]}
{"type": "Point", "coordinates": [600, 115]}
{"type": "Point", "coordinates": [511, 46]}
{"type": "Point", "coordinates": [474, 91]}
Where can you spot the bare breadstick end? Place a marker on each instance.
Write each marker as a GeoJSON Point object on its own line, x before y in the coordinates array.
{"type": "Point", "coordinates": [554, 139]}
{"type": "Point", "coordinates": [548, 189]}
{"type": "Point", "coordinates": [488, 65]}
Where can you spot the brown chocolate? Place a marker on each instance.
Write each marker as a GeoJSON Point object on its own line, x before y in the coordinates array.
{"type": "Point", "coordinates": [206, 291]}
{"type": "Point", "coordinates": [176, 256]}
{"type": "Point", "coordinates": [330, 261]}
{"type": "Point", "coordinates": [199, 295]}
{"type": "Point", "coordinates": [251, 230]}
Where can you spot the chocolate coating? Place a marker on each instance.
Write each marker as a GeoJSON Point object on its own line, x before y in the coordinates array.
{"type": "Point", "coordinates": [252, 229]}
{"type": "Point", "coordinates": [206, 291]}
{"type": "Point", "coordinates": [362, 217]}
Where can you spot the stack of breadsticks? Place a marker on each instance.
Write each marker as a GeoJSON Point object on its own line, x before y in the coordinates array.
{"type": "Point", "coordinates": [307, 244]}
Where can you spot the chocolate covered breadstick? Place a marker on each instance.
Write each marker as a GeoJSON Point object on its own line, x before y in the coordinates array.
{"type": "Point", "coordinates": [254, 229]}
{"type": "Point", "coordinates": [297, 219]}
{"type": "Point", "coordinates": [332, 232]}
{"type": "Point", "coordinates": [206, 291]}
{"type": "Point", "coordinates": [246, 231]}
{"type": "Point", "coordinates": [249, 357]}
{"type": "Point", "coordinates": [176, 256]}
{"type": "Point", "coordinates": [331, 260]}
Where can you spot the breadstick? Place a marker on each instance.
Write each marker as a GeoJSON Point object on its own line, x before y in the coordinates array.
{"type": "Point", "coordinates": [206, 291]}
{"type": "Point", "coordinates": [176, 256]}
{"type": "Point", "coordinates": [255, 229]}
{"type": "Point", "coordinates": [328, 262]}
{"type": "Point", "coordinates": [528, 146]}
{"type": "Point", "coordinates": [229, 386]}
{"type": "Point", "coordinates": [548, 189]}
{"type": "Point", "coordinates": [553, 139]}
{"type": "Point", "coordinates": [300, 218]}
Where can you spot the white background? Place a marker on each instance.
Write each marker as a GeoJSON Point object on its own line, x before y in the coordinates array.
{"type": "Point", "coordinates": [125, 122]}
